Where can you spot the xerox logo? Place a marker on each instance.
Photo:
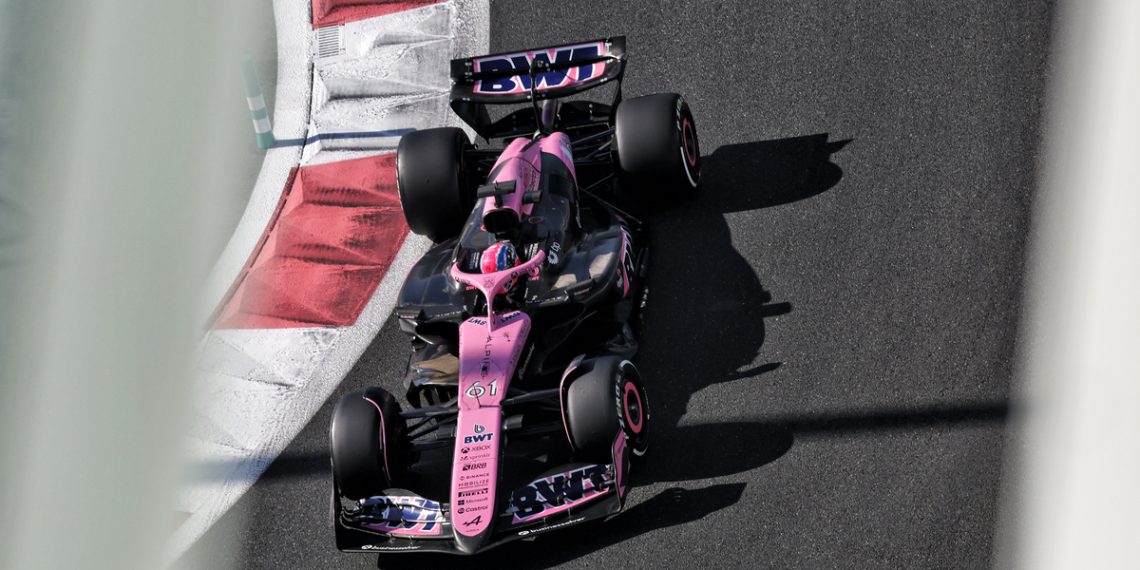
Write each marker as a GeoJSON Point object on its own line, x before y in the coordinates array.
{"type": "Point", "coordinates": [520, 63]}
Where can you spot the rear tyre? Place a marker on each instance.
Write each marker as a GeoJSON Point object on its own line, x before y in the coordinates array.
{"type": "Point", "coordinates": [368, 443]}
{"type": "Point", "coordinates": [433, 186]}
{"type": "Point", "coordinates": [657, 148]}
{"type": "Point", "coordinates": [605, 397]}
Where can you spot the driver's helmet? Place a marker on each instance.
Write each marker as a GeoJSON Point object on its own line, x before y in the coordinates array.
{"type": "Point", "coordinates": [500, 256]}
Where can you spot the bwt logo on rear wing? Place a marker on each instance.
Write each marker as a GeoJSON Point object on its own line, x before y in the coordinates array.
{"type": "Point", "coordinates": [558, 71]}
{"type": "Point", "coordinates": [515, 68]}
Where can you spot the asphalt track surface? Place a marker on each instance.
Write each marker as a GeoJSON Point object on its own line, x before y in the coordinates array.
{"type": "Point", "coordinates": [832, 323]}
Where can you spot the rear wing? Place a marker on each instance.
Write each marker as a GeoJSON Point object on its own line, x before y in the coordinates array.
{"type": "Point", "coordinates": [532, 75]}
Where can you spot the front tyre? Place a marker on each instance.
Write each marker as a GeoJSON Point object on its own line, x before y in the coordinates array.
{"type": "Point", "coordinates": [657, 148]}
{"type": "Point", "coordinates": [606, 397]}
{"type": "Point", "coordinates": [368, 437]}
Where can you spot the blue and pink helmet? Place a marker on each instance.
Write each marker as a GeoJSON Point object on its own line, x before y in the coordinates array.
{"type": "Point", "coordinates": [499, 257]}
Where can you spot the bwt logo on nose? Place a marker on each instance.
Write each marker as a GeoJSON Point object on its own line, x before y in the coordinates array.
{"type": "Point", "coordinates": [477, 438]}
{"type": "Point", "coordinates": [520, 63]}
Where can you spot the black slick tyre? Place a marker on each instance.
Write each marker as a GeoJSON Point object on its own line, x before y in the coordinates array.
{"type": "Point", "coordinates": [657, 148]}
{"type": "Point", "coordinates": [366, 436]}
{"type": "Point", "coordinates": [434, 190]}
{"type": "Point", "coordinates": [605, 396]}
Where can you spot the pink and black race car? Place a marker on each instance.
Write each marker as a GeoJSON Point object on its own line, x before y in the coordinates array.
{"type": "Point", "coordinates": [526, 407]}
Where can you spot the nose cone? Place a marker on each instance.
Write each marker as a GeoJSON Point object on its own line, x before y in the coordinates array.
{"type": "Point", "coordinates": [472, 544]}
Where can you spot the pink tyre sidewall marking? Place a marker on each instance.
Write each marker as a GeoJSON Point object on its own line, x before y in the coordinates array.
{"type": "Point", "coordinates": [383, 439]}
{"type": "Point", "coordinates": [630, 390]}
{"type": "Point", "coordinates": [687, 135]}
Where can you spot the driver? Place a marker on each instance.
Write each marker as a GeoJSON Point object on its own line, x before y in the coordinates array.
{"type": "Point", "coordinates": [498, 257]}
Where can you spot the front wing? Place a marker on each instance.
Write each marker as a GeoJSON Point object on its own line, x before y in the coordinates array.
{"type": "Point", "coordinates": [401, 521]}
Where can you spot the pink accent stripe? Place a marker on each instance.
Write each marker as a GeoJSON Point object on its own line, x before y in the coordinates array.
{"type": "Point", "coordinates": [330, 12]}
{"type": "Point", "coordinates": [337, 229]}
{"type": "Point", "coordinates": [619, 455]}
{"type": "Point", "coordinates": [562, 388]}
{"type": "Point", "coordinates": [383, 441]}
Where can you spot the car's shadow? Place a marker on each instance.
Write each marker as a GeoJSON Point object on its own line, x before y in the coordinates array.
{"type": "Point", "coordinates": [704, 325]}
{"type": "Point", "coordinates": [705, 321]}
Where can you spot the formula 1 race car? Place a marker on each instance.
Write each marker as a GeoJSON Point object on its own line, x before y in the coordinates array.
{"type": "Point", "coordinates": [524, 315]}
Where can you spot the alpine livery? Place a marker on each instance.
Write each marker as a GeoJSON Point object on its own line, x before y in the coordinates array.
{"type": "Point", "coordinates": [525, 408]}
